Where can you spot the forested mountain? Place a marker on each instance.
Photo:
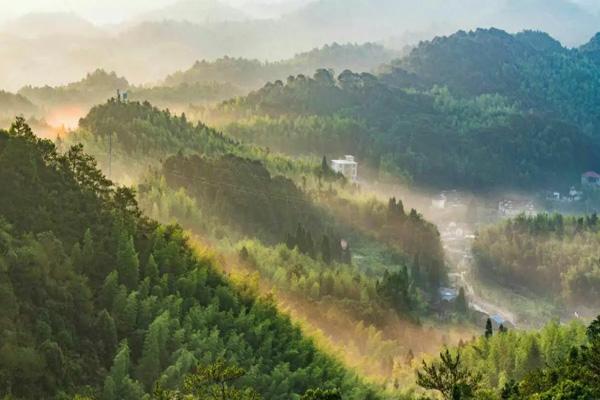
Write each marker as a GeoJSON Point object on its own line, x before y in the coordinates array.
{"type": "Point", "coordinates": [94, 88]}
{"type": "Point", "coordinates": [407, 133]}
{"type": "Point", "coordinates": [206, 82]}
{"type": "Point", "coordinates": [550, 255]}
{"type": "Point", "coordinates": [530, 68]}
{"type": "Point", "coordinates": [252, 74]}
{"type": "Point", "coordinates": [559, 362]}
{"type": "Point", "coordinates": [297, 236]}
{"type": "Point", "coordinates": [189, 29]}
{"type": "Point", "coordinates": [14, 104]}
{"type": "Point", "coordinates": [101, 301]}
{"type": "Point", "coordinates": [145, 131]}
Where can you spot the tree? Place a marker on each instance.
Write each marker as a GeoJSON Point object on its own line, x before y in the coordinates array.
{"type": "Point", "coordinates": [109, 290]}
{"type": "Point", "coordinates": [448, 377]}
{"type": "Point", "coordinates": [533, 358]}
{"type": "Point", "coordinates": [461, 302]}
{"type": "Point", "coordinates": [151, 270]}
{"type": "Point", "coordinates": [326, 249]}
{"type": "Point", "coordinates": [118, 384]}
{"type": "Point", "coordinates": [107, 333]}
{"type": "Point", "coordinates": [127, 262]}
{"type": "Point", "coordinates": [87, 253]}
{"type": "Point", "coordinates": [324, 165]}
{"type": "Point", "coordinates": [21, 128]}
{"type": "Point", "coordinates": [322, 394]}
{"type": "Point", "coordinates": [217, 382]}
{"type": "Point", "coordinates": [149, 368]}
{"type": "Point", "coordinates": [489, 330]}
{"type": "Point", "coordinates": [593, 331]}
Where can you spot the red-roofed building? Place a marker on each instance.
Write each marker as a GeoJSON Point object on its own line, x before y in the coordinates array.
{"type": "Point", "coordinates": [590, 178]}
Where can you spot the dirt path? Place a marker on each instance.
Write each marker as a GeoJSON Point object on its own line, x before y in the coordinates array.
{"type": "Point", "coordinates": [480, 304]}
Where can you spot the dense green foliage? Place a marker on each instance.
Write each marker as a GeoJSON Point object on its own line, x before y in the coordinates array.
{"type": "Point", "coordinates": [551, 255]}
{"type": "Point", "coordinates": [244, 195]}
{"type": "Point", "coordinates": [407, 134]}
{"type": "Point", "coordinates": [98, 299]}
{"type": "Point", "coordinates": [416, 241]}
{"type": "Point", "coordinates": [530, 68]}
{"type": "Point", "coordinates": [141, 129]}
{"type": "Point", "coordinates": [558, 362]}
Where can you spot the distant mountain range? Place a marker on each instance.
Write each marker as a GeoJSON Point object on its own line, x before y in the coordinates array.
{"type": "Point", "coordinates": [201, 12]}
{"type": "Point", "coordinates": [158, 43]}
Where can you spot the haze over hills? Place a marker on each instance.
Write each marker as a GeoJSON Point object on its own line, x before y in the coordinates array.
{"type": "Point", "coordinates": [208, 29]}
{"type": "Point", "coordinates": [202, 12]}
{"type": "Point", "coordinates": [194, 204]}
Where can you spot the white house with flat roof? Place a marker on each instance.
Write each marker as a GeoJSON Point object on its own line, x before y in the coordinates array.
{"type": "Point", "coordinates": [347, 167]}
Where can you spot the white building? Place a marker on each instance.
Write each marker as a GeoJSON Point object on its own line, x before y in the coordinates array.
{"type": "Point", "coordinates": [590, 178]}
{"type": "Point", "coordinates": [347, 167]}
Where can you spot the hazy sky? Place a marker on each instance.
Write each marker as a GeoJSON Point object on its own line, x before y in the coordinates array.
{"type": "Point", "coordinates": [99, 11]}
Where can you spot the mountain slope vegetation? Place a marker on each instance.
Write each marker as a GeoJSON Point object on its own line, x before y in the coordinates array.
{"type": "Point", "coordinates": [99, 300]}
{"type": "Point", "coordinates": [550, 255]}
{"type": "Point", "coordinates": [407, 133]}
{"type": "Point", "coordinates": [530, 68]}
{"type": "Point", "coordinates": [252, 74]}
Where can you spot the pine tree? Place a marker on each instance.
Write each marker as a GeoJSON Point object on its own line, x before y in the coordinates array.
{"type": "Point", "coordinates": [76, 257]}
{"type": "Point", "coordinates": [300, 239]}
{"type": "Point", "coordinates": [310, 245]}
{"type": "Point", "coordinates": [107, 333]}
{"type": "Point", "coordinates": [534, 359]}
{"type": "Point", "coordinates": [326, 249]}
{"type": "Point", "coordinates": [130, 312]}
{"type": "Point", "coordinates": [489, 331]}
{"type": "Point", "coordinates": [109, 290]}
{"type": "Point", "coordinates": [415, 270]}
{"type": "Point", "coordinates": [128, 262]}
{"type": "Point", "coordinates": [149, 368]}
{"type": "Point", "coordinates": [109, 392]}
{"type": "Point", "coordinates": [461, 302]}
{"type": "Point", "coordinates": [290, 242]}
{"type": "Point", "coordinates": [87, 253]}
{"type": "Point", "coordinates": [151, 270]}
{"type": "Point", "coordinates": [121, 363]}
{"type": "Point", "coordinates": [324, 165]}
{"type": "Point", "coordinates": [118, 383]}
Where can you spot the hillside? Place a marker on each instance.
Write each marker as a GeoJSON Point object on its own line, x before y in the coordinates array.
{"type": "Point", "coordinates": [266, 212]}
{"type": "Point", "coordinates": [14, 104]}
{"type": "Point", "coordinates": [551, 256]}
{"type": "Point", "coordinates": [119, 302]}
{"type": "Point", "coordinates": [252, 74]}
{"type": "Point", "coordinates": [530, 68]}
{"type": "Point", "coordinates": [94, 88]}
{"type": "Point", "coordinates": [407, 134]}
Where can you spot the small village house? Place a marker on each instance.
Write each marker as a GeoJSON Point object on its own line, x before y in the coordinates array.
{"type": "Point", "coordinates": [347, 167]}
{"type": "Point", "coordinates": [590, 178]}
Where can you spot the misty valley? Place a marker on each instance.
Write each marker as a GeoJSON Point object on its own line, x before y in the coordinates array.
{"type": "Point", "coordinates": [305, 200]}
